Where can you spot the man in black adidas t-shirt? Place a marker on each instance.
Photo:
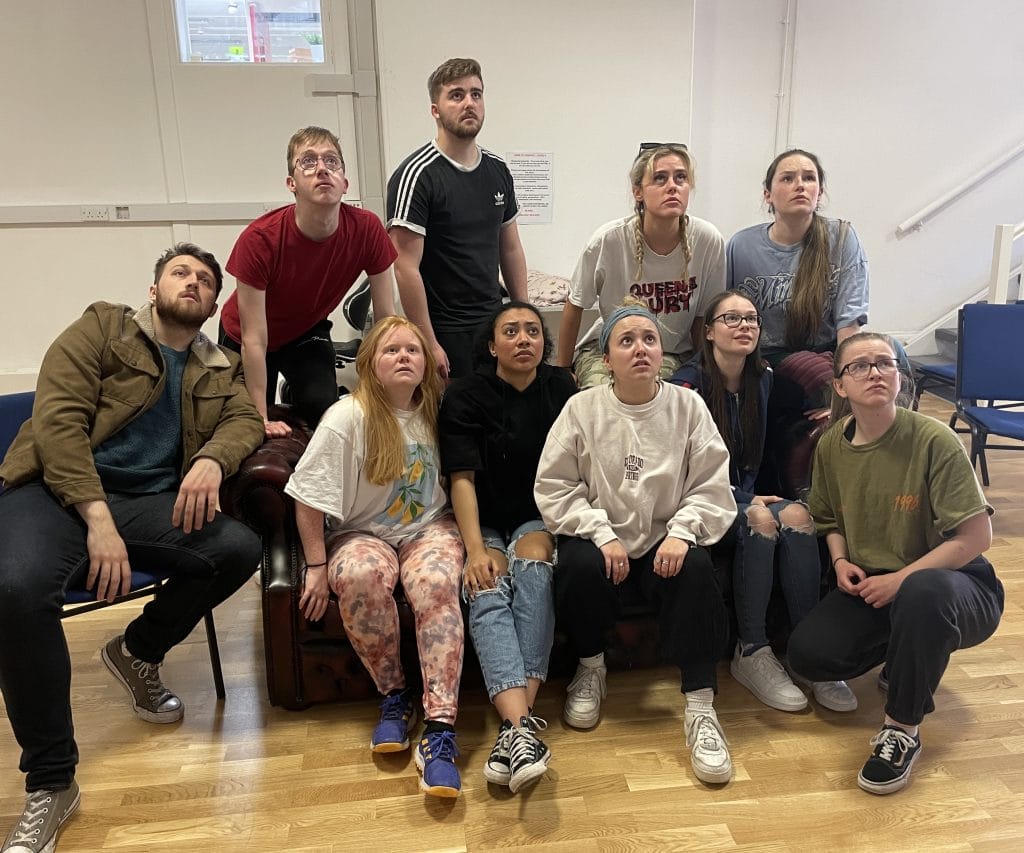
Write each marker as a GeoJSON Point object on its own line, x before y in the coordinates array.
{"type": "Point", "coordinates": [451, 212]}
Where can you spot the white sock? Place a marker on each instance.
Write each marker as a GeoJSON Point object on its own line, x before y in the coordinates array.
{"type": "Point", "coordinates": [913, 731]}
{"type": "Point", "coordinates": [700, 700]}
{"type": "Point", "coordinates": [594, 662]}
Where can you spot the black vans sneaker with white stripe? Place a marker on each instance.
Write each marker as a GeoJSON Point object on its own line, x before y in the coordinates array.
{"type": "Point", "coordinates": [888, 769]}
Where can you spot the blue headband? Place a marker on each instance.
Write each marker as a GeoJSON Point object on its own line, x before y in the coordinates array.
{"type": "Point", "coordinates": [618, 314]}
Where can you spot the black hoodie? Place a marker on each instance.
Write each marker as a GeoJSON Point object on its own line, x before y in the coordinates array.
{"type": "Point", "coordinates": [488, 427]}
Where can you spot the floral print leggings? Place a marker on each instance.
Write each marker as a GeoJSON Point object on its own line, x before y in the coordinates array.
{"type": "Point", "coordinates": [363, 572]}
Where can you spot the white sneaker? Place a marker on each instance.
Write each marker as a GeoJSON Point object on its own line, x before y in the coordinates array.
{"type": "Point", "coordinates": [883, 680]}
{"type": "Point", "coordinates": [763, 675]}
{"type": "Point", "coordinates": [834, 695]}
{"type": "Point", "coordinates": [583, 704]}
{"type": "Point", "coordinates": [709, 750]}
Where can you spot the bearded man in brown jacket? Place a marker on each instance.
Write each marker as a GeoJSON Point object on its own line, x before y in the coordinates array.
{"type": "Point", "coordinates": [137, 419]}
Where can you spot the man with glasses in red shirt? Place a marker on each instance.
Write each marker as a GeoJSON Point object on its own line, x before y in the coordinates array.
{"type": "Point", "coordinates": [294, 265]}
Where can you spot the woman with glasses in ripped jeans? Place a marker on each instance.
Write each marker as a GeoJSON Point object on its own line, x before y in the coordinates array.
{"type": "Point", "coordinates": [672, 261]}
{"type": "Point", "coordinates": [734, 381]}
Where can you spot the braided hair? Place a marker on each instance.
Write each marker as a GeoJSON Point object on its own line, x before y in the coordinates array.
{"type": "Point", "coordinates": [643, 167]}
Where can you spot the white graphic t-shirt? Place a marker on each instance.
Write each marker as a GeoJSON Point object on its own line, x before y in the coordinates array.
{"type": "Point", "coordinates": [329, 477]}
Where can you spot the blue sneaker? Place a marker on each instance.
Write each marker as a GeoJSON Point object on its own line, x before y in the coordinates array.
{"type": "Point", "coordinates": [397, 716]}
{"type": "Point", "coordinates": [435, 759]}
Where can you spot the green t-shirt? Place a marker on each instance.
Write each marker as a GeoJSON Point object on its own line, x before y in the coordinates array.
{"type": "Point", "coordinates": [897, 498]}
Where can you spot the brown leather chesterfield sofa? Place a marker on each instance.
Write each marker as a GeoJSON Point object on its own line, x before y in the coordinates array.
{"type": "Point", "coordinates": [310, 662]}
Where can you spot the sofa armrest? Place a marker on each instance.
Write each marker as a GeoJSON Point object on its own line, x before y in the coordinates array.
{"type": "Point", "coordinates": [255, 496]}
{"type": "Point", "coordinates": [795, 475]}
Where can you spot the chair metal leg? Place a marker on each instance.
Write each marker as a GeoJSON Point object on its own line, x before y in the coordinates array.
{"type": "Point", "coordinates": [982, 439]}
{"type": "Point", "coordinates": [979, 438]}
{"type": "Point", "coordinates": [211, 641]}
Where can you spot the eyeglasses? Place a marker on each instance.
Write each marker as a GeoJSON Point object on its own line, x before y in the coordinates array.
{"type": "Point", "coordinates": [732, 321]}
{"type": "Point", "coordinates": [307, 162]}
{"type": "Point", "coordinates": [862, 369]}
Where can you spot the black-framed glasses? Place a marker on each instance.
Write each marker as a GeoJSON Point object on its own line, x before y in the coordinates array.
{"type": "Point", "coordinates": [732, 321]}
{"type": "Point", "coordinates": [308, 163]}
{"type": "Point", "coordinates": [862, 369]}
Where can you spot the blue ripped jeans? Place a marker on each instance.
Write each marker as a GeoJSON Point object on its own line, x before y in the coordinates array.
{"type": "Point", "coordinates": [753, 572]}
{"type": "Point", "coordinates": [513, 625]}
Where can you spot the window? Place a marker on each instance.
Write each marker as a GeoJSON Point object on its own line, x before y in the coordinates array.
{"type": "Point", "coordinates": [267, 31]}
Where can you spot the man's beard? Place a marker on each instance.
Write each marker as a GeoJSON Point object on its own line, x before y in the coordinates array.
{"type": "Point", "coordinates": [460, 131]}
{"type": "Point", "coordinates": [181, 312]}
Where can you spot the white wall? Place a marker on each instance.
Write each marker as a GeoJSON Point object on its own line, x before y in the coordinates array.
{"type": "Point", "coordinates": [585, 80]}
{"type": "Point", "coordinates": [97, 110]}
{"type": "Point", "coordinates": [902, 101]}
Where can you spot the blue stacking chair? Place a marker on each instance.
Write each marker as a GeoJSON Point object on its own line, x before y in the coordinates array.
{"type": "Point", "coordinates": [990, 366]}
{"type": "Point", "coordinates": [15, 409]}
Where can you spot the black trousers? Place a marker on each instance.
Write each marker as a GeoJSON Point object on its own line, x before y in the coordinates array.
{"type": "Point", "coordinates": [308, 365]}
{"type": "Point", "coordinates": [691, 615]}
{"type": "Point", "coordinates": [43, 552]}
{"type": "Point", "coordinates": [935, 612]}
{"type": "Point", "coordinates": [458, 345]}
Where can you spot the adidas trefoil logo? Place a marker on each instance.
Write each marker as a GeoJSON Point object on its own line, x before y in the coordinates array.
{"type": "Point", "coordinates": [499, 199]}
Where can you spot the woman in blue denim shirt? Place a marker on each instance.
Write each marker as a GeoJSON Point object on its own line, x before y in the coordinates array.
{"type": "Point", "coordinates": [492, 429]}
{"type": "Point", "coordinates": [735, 383]}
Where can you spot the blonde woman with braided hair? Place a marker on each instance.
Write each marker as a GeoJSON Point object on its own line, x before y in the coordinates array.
{"type": "Point", "coordinates": [673, 262]}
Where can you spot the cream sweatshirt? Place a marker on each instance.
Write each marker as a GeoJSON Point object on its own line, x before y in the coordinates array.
{"type": "Point", "coordinates": [635, 473]}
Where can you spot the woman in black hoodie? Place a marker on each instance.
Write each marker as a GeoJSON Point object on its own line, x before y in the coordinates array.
{"type": "Point", "coordinates": [492, 428]}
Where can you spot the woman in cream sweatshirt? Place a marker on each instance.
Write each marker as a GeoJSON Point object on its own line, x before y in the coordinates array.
{"type": "Point", "coordinates": [634, 479]}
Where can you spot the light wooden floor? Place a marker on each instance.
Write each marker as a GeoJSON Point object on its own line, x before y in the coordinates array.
{"type": "Point", "coordinates": [245, 776]}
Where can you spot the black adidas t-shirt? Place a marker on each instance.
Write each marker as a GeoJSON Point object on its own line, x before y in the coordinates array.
{"type": "Point", "coordinates": [460, 214]}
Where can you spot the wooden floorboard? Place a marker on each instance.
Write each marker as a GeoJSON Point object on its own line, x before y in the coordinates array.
{"type": "Point", "coordinates": [241, 775]}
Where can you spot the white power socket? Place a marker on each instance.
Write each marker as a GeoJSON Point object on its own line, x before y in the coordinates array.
{"type": "Point", "coordinates": [95, 214]}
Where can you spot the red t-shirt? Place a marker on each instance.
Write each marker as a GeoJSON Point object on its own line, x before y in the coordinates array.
{"type": "Point", "coordinates": [304, 280]}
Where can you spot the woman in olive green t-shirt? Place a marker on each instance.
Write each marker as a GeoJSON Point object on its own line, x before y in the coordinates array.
{"type": "Point", "coordinates": [906, 523]}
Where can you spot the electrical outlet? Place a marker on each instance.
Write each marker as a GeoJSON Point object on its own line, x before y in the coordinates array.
{"type": "Point", "coordinates": [95, 214]}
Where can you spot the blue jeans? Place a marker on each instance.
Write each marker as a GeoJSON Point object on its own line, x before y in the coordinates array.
{"type": "Point", "coordinates": [513, 625]}
{"type": "Point", "coordinates": [43, 552]}
{"type": "Point", "coordinates": [753, 573]}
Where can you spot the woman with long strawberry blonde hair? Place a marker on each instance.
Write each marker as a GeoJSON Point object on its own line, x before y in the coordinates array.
{"type": "Point", "coordinates": [371, 472]}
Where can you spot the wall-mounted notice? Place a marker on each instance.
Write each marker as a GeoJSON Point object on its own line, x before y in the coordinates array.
{"type": "Point", "coordinates": [531, 170]}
